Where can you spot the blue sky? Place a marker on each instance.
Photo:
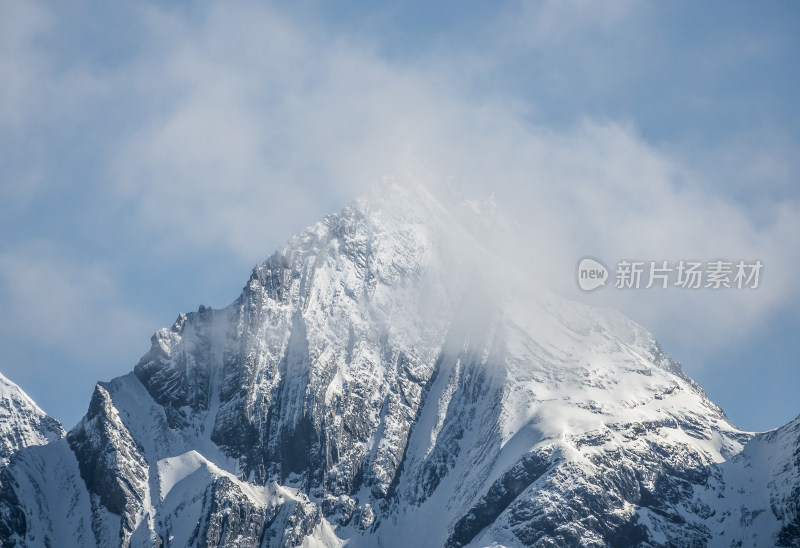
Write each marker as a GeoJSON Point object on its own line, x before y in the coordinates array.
{"type": "Point", "coordinates": [152, 153]}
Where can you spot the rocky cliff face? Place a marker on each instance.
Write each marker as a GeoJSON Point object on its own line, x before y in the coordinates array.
{"type": "Point", "coordinates": [385, 379]}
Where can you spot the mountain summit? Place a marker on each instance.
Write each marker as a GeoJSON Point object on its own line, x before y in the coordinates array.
{"type": "Point", "coordinates": [386, 379]}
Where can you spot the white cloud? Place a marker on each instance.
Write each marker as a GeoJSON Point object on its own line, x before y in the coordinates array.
{"type": "Point", "coordinates": [260, 114]}
{"type": "Point", "coordinates": [599, 190]}
{"type": "Point", "coordinates": [245, 121]}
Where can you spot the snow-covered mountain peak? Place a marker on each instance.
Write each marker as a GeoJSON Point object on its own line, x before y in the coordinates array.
{"type": "Point", "coordinates": [387, 379]}
{"type": "Point", "coordinates": [413, 230]}
{"type": "Point", "coordinates": [22, 422]}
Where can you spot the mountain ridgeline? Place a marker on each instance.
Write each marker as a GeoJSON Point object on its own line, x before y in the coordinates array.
{"type": "Point", "coordinates": [387, 379]}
